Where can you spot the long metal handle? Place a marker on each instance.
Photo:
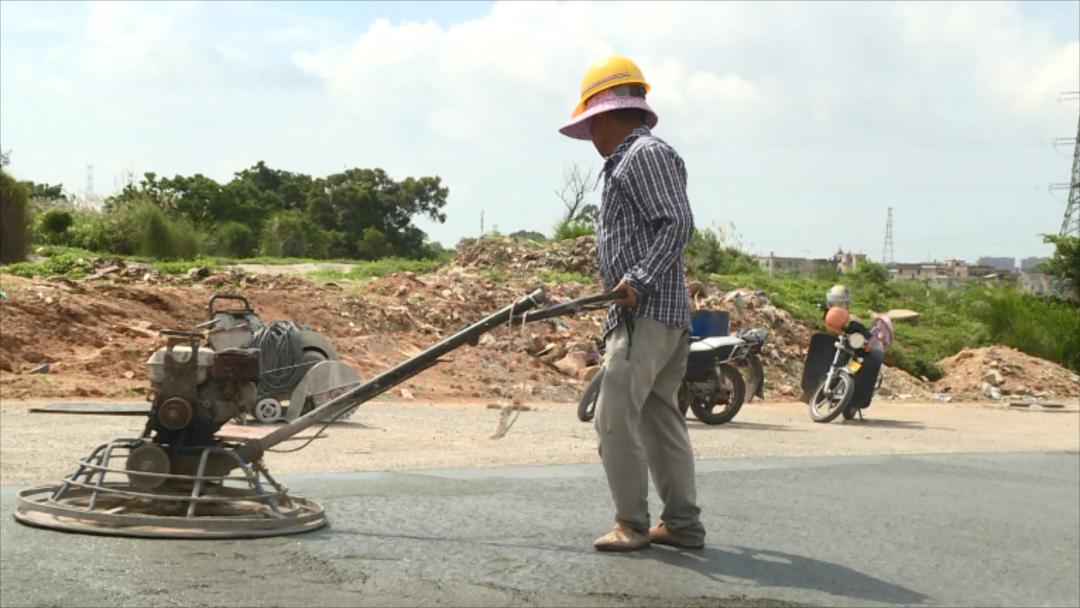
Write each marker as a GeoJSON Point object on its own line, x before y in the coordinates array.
{"type": "Point", "coordinates": [393, 376]}
{"type": "Point", "coordinates": [573, 306]}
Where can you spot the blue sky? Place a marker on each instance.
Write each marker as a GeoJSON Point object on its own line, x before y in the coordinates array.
{"type": "Point", "coordinates": [799, 123]}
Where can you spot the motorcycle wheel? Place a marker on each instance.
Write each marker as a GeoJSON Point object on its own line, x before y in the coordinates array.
{"type": "Point", "coordinates": [828, 403]}
{"type": "Point", "coordinates": [586, 408]}
{"type": "Point", "coordinates": [757, 379]}
{"type": "Point", "coordinates": [850, 412]}
{"type": "Point", "coordinates": [723, 410]}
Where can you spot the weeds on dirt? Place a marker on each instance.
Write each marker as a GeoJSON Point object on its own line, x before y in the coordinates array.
{"type": "Point", "coordinates": [559, 277]}
{"type": "Point", "coordinates": [377, 268]}
{"type": "Point", "coordinates": [495, 275]}
{"type": "Point", "coordinates": [72, 263]}
{"type": "Point", "coordinates": [950, 319]}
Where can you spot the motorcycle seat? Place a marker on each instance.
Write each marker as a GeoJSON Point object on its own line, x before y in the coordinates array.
{"type": "Point", "coordinates": [707, 344]}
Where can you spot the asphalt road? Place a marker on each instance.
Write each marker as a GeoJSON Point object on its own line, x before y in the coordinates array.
{"type": "Point", "coordinates": [970, 529]}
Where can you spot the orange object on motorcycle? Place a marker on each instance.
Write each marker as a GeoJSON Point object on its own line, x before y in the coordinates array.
{"type": "Point", "coordinates": [836, 319]}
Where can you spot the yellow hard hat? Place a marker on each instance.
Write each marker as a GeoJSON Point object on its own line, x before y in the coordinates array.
{"type": "Point", "coordinates": [607, 73]}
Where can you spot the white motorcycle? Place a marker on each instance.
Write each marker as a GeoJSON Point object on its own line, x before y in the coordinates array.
{"type": "Point", "coordinates": [712, 388]}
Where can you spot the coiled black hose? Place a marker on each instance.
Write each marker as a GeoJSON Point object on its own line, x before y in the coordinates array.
{"type": "Point", "coordinates": [280, 354]}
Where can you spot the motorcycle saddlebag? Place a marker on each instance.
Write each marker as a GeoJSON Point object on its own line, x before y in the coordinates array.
{"type": "Point", "coordinates": [818, 359]}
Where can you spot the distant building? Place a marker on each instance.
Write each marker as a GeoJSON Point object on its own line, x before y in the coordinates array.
{"type": "Point", "coordinates": [1031, 263]}
{"type": "Point", "coordinates": [1008, 264]}
{"type": "Point", "coordinates": [956, 269]}
{"type": "Point", "coordinates": [949, 274]}
{"type": "Point", "coordinates": [1039, 283]}
{"type": "Point", "coordinates": [847, 261]}
{"type": "Point", "coordinates": [801, 266]}
{"type": "Point", "coordinates": [914, 272]}
{"type": "Point", "coordinates": [982, 271]}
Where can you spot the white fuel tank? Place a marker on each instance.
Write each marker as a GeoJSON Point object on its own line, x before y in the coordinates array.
{"type": "Point", "coordinates": [155, 365]}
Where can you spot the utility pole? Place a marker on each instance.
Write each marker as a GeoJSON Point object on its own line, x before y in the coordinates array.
{"type": "Point", "coordinates": [481, 223]}
{"type": "Point", "coordinates": [887, 257]}
{"type": "Point", "coordinates": [89, 181]}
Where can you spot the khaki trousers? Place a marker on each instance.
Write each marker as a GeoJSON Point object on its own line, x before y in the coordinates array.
{"type": "Point", "coordinates": [641, 429]}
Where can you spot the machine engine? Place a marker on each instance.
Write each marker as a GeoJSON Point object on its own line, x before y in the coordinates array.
{"type": "Point", "coordinates": [194, 395]}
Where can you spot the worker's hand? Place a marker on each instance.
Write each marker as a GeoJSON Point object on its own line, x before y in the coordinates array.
{"type": "Point", "coordinates": [631, 295]}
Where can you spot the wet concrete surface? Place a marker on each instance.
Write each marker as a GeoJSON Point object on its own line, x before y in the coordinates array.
{"type": "Point", "coordinates": [969, 529]}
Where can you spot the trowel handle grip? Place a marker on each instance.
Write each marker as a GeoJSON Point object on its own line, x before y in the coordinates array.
{"type": "Point", "coordinates": [226, 296]}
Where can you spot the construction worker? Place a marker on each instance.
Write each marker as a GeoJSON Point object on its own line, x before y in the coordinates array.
{"type": "Point", "coordinates": [645, 222]}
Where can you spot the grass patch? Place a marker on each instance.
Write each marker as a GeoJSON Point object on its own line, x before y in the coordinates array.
{"type": "Point", "coordinates": [182, 266]}
{"type": "Point", "coordinates": [75, 263]}
{"type": "Point", "coordinates": [374, 268]}
{"type": "Point", "coordinates": [72, 264]}
{"type": "Point", "coordinates": [558, 277]}
{"type": "Point", "coordinates": [495, 275]}
{"type": "Point", "coordinates": [572, 229]}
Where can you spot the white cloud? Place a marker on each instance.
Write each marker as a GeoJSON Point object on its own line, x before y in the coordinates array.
{"type": "Point", "coordinates": [778, 108]}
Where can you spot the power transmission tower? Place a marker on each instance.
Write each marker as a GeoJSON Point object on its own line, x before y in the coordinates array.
{"type": "Point", "coordinates": [89, 180]}
{"type": "Point", "coordinates": [887, 257]}
{"type": "Point", "coordinates": [1070, 224]}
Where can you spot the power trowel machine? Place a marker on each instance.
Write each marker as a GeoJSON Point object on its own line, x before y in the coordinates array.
{"type": "Point", "coordinates": [179, 478]}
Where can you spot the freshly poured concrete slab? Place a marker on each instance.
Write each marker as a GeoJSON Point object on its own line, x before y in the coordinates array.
{"type": "Point", "coordinates": [886, 530]}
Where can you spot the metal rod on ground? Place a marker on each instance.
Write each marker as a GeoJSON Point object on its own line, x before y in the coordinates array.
{"type": "Point", "coordinates": [254, 448]}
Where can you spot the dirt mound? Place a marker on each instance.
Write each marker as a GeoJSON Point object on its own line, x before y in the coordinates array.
{"type": "Point", "coordinates": [96, 333]}
{"type": "Point", "coordinates": [1000, 372]}
{"type": "Point", "coordinates": [524, 257]}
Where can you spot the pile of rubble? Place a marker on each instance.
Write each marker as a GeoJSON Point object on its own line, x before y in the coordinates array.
{"type": "Point", "coordinates": [1000, 372]}
{"type": "Point", "coordinates": [378, 322]}
{"type": "Point", "coordinates": [525, 257]}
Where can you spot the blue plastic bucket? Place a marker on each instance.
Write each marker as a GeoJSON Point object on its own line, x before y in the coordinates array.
{"type": "Point", "coordinates": [709, 323]}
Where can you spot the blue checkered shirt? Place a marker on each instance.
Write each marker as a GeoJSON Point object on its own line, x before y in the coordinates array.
{"type": "Point", "coordinates": [645, 222]}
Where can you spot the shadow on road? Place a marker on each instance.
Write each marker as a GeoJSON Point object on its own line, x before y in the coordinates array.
{"type": "Point", "coordinates": [694, 423]}
{"type": "Point", "coordinates": [890, 424]}
{"type": "Point", "coordinates": [722, 565]}
{"type": "Point", "coordinates": [776, 569]}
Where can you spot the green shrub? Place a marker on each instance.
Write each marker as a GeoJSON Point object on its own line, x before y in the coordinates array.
{"type": "Point", "coordinates": [292, 234]}
{"type": "Point", "coordinates": [373, 244]}
{"type": "Point", "coordinates": [14, 224]}
{"type": "Point", "coordinates": [572, 229]}
{"type": "Point", "coordinates": [706, 253]}
{"type": "Point", "coordinates": [156, 235]}
{"type": "Point", "coordinates": [866, 274]}
{"type": "Point", "coordinates": [233, 239]}
{"type": "Point", "coordinates": [1065, 263]}
{"type": "Point", "coordinates": [53, 226]}
{"type": "Point", "coordinates": [1045, 328]}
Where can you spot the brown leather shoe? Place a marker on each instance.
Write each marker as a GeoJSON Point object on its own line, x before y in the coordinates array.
{"type": "Point", "coordinates": [622, 538]}
{"type": "Point", "coordinates": [660, 535]}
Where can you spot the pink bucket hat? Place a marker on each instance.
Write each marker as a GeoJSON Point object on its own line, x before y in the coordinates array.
{"type": "Point", "coordinates": [617, 98]}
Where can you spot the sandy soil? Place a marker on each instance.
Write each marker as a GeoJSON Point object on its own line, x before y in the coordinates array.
{"type": "Point", "coordinates": [38, 448]}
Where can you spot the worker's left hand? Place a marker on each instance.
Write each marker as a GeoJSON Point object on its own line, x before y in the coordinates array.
{"type": "Point", "coordinates": [631, 295]}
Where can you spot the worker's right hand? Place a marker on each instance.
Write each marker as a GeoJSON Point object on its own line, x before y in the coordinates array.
{"type": "Point", "coordinates": [631, 296]}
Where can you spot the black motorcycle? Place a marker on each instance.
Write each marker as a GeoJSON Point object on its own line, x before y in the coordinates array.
{"type": "Point", "coordinates": [712, 388]}
{"type": "Point", "coordinates": [840, 375]}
